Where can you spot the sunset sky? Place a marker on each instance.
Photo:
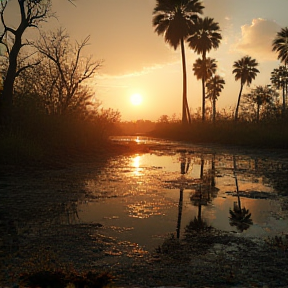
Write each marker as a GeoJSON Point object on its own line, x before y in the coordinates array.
{"type": "Point", "coordinates": [137, 60]}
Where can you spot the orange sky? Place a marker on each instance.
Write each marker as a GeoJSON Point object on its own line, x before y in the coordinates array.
{"type": "Point", "coordinates": [137, 60]}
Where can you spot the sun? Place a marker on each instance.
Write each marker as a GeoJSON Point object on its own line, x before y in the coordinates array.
{"type": "Point", "coordinates": [136, 99]}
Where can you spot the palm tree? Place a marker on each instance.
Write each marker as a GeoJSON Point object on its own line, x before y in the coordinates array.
{"type": "Point", "coordinates": [204, 36]}
{"type": "Point", "coordinates": [204, 69]}
{"type": "Point", "coordinates": [245, 70]}
{"type": "Point", "coordinates": [279, 77]}
{"type": "Point", "coordinates": [174, 19]}
{"type": "Point", "coordinates": [261, 95]}
{"type": "Point", "coordinates": [214, 86]}
{"type": "Point", "coordinates": [280, 45]}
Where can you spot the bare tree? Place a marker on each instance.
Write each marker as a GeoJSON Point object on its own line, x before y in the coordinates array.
{"type": "Point", "coordinates": [63, 71]}
{"type": "Point", "coordinates": [32, 13]}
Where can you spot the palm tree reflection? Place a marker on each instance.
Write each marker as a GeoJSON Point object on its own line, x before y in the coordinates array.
{"type": "Point", "coordinates": [206, 190]}
{"type": "Point", "coordinates": [184, 168]}
{"type": "Point", "coordinates": [239, 217]}
{"type": "Point", "coordinates": [203, 194]}
{"type": "Point", "coordinates": [198, 224]}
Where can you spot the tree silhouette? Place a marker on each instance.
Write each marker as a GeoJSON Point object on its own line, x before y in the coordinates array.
{"type": "Point", "coordinates": [279, 77]}
{"type": "Point", "coordinates": [245, 70]}
{"type": "Point", "coordinates": [204, 69]}
{"type": "Point", "coordinates": [67, 69]}
{"type": "Point", "coordinates": [280, 45]}
{"type": "Point", "coordinates": [174, 19]}
{"type": "Point", "coordinates": [214, 85]}
{"type": "Point", "coordinates": [204, 36]}
{"type": "Point", "coordinates": [261, 95]}
{"type": "Point", "coordinates": [31, 14]}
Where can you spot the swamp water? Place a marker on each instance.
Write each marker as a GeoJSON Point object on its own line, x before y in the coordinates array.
{"type": "Point", "coordinates": [146, 197]}
{"type": "Point", "coordinates": [99, 215]}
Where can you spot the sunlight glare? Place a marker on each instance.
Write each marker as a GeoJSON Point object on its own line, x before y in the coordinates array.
{"type": "Point", "coordinates": [136, 165]}
{"type": "Point", "coordinates": [136, 99]}
{"type": "Point", "coordinates": [136, 161]}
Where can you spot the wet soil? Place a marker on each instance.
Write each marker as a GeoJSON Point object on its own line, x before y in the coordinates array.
{"type": "Point", "coordinates": [39, 230]}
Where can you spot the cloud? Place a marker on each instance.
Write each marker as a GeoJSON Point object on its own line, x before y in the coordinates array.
{"type": "Point", "coordinates": [257, 38]}
{"type": "Point", "coordinates": [139, 73]}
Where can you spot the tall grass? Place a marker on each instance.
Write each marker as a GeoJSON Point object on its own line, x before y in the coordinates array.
{"type": "Point", "coordinates": [229, 132]}
{"type": "Point", "coordinates": [39, 138]}
{"type": "Point", "coordinates": [44, 138]}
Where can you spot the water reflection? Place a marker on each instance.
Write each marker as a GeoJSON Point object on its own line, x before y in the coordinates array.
{"type": "Point", "coordinates": [153, 195]}
{"type": "Point", "coordinates": [202, 189]}
{"type": "Point", "coordinates": [203, 194]}
{"type": "Point", "coordinates": [136, 165]}
{"type": "Point", "coordinates": [239, 217]}
{"type": "Point", "coordinates": [184, 167]}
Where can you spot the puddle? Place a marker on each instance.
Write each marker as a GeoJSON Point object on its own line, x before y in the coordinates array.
{"type": "Point", "coordinates": [143, 198]}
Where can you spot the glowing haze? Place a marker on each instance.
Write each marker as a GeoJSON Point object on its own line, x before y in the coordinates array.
{"type": "Point", "coordinates": [138, 61]}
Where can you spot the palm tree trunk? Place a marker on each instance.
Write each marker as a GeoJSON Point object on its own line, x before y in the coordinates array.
{"type": "Point", "coordinates": [214, 108]}
{"type": "Point", "coordinates": [238, 103]}
{"type": "Point", "coordinates": [203, 99]}
{"type": "Point", "coordinates": [185, 108]}
{"type": "Point", "coordinates": [203, 87]}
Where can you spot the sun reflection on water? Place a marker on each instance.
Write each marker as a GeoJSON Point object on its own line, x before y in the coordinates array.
{"type": "Point", "coordinates": [136, 165]}
{"type": "Point", "coordinates": [144, 209]}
